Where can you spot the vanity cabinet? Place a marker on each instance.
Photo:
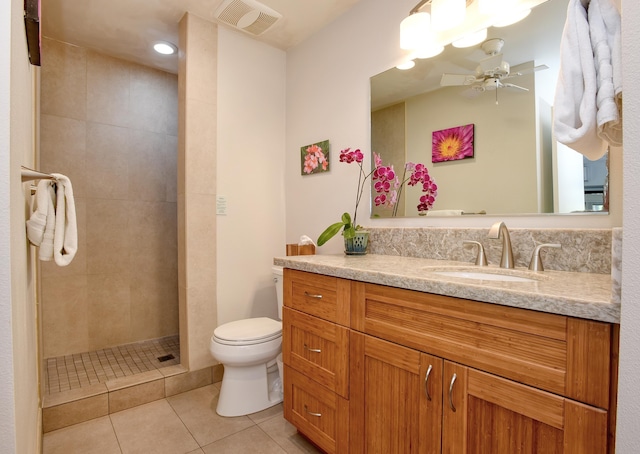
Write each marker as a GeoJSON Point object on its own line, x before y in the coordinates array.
{"type": "Point", "coordinates": [436, 374]}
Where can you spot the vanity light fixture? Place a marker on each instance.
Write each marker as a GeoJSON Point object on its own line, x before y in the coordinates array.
{"type": "Point", "coordinates": [426, 37]}
{"type": "Point", "coordinates": [512, 18]}
{"type": "Point", "coordinates": [416, 35]}
{"type": "Point", "coordinates": [415, 30]}
{"type": "Point", "coordinates": [165, 48]}
{"type": "Point", "coordinates": [447, 14]}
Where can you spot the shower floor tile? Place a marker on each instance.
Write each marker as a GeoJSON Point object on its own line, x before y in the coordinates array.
{"type": "Point", "coordinates": [65, 373]}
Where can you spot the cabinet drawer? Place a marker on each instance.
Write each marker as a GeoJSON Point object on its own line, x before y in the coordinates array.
{"type": "Point", "coordinates": [318, 413]}
{"type": "Point", "coordinates": [317, 349]}
{"type": "Point", "coordinates": [547, 351]}
{"type": "Point", "coordinates": [325, 297]}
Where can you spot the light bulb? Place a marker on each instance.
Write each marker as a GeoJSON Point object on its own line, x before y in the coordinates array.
{"type": "Point", "coordinates": [165, 48]}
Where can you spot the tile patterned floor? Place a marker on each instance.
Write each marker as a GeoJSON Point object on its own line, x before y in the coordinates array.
{"type": "Point", "coordinates": [64, 373]}
{"type": "Point", "coordinates": [185, 423]}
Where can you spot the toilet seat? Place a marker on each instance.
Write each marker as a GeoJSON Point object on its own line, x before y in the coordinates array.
{"type": "Point", "coordinates": [249, 331]}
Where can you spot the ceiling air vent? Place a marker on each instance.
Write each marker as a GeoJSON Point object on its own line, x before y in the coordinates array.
{"type": "Point", "coordinates": [247, 15]}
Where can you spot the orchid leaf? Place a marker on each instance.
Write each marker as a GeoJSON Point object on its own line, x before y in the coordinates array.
{"type": "Point", "coordinates": [329, 233]}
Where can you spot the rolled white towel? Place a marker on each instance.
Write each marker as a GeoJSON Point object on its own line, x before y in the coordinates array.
{"type": "Point", "coordinates": [604, 28]}
{"type": "Point", "coordinates": [65, 242]}
{"type": "Point", "coordinates": [42, 222]}
{"type": "Point", "coordinates": [38, 219]}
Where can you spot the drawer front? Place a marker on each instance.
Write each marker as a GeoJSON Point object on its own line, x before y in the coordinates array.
{"type": "Point", "coordinates": [318, 413]}
{"type": "Point", "coordinates": [325, 297]}
{"type": "Point", "coordinates": [317, 349]}
{"type": "Point", "coordinates": [546, 351]}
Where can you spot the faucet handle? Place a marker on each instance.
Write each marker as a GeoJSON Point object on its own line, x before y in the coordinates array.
{"type": "Point", "coordinates": [536, 261]}
{"type": "Point", "coordinates": [481, 259]}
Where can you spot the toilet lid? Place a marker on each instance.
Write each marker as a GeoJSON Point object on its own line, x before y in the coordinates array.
{"type": "Point", "coordinates": [249, 331]}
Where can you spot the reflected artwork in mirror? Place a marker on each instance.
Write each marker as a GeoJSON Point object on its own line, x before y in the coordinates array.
{"type": "Point", "coordinates": [517, 167]}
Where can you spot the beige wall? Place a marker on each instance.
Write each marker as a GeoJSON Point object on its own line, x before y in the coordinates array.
{"type": "Point", "coordinates": [503, 170]}
{"type": "Point", "coordinates": [388, 139]}
{"type": "Point", "coordinates": [111, 127]}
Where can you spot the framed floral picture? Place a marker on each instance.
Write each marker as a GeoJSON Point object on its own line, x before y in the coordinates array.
{"type": "Point", "coordinates": [314, 158]}
{"type": "Point", "coordinates": [452, 144]}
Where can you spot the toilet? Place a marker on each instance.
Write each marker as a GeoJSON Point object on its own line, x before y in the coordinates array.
{"type": "Point", "coordinates": [248, 349]}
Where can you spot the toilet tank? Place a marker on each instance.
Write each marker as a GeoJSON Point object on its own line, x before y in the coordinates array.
{"type": "Point", "coordinates": [277, 279]}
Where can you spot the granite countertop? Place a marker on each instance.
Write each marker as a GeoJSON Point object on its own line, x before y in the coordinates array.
{"type": "Point", "coordinates": [582, 295]}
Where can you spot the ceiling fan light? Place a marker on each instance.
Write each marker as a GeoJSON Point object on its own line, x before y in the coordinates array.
{"type": "Point", "coordinates": [471, 39]}
{"type": "Point", "coordinates": [447, 14]}
{"type": "Point", "coordinates": [415, 30]}
{"type": "Point", "coordinates": [512, 18]}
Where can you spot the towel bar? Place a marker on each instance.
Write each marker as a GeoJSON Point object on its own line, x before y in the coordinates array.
{"type": "Point", "coordinates": [30, 175]}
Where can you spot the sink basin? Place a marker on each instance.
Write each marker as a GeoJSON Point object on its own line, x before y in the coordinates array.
{"type": "Point", "coordinates": [485, 276]}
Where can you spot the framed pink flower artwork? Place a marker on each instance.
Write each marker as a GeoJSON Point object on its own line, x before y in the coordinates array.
{"type": "Point", "coordinates": [314, 158]}
{"type": "Point", "coordinates": [452, 144]}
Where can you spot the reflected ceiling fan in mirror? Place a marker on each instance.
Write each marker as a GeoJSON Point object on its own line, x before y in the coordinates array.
{"type": "Point", "coordinates": [491, 73]}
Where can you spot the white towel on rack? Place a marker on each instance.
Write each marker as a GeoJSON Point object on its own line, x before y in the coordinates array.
{"type": "Point", "coordinates": [575, 101]}
{"type": "Point", "coordinates": [65, 242]}
{"type": "Point", "coordinates": [41, 223]}
{"type": "Point", "coordinates": [604, 28]}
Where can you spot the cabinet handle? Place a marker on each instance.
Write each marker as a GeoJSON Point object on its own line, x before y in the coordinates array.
{"type": "Point", "coordinates": [312, 413]}
{"type": "Point", "coordinates": [311, 295]}
{"type": "Point", "coordinates": [453, 380]}
{"type": "Point", "coordinates": [314, 350]}
{"type": "Point", "coordinates": [426, 382]}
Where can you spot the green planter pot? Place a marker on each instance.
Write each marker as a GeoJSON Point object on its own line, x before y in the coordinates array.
{"type": "Point", "coordinates": [358, 244]}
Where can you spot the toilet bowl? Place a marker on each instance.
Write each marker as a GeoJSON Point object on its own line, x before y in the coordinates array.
{"type": "Point", "coordinates": [248, 350]}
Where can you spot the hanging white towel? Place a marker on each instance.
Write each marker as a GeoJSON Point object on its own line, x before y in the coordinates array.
{"type": "Point", "coordinates": [65, 242]}
{"type": "Point", "coordinates": [41, 223]}
{"type": "Point", "coordinates": [575, 106]}
{"type": "Point", "coordinates": [604, 29]}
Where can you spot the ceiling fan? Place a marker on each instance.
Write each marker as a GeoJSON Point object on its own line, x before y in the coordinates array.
{"type": "Point", "coordinates": [491, 73]}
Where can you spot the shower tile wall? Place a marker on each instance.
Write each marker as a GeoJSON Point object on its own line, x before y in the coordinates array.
{"type": "Point", "coordinates": [111, 126]}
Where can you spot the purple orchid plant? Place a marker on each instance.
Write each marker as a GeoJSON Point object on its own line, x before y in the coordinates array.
{"type": "Point", "coordinates": [388, 187]}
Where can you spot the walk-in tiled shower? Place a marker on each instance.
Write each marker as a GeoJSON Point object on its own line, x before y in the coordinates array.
{"type": "Point", "coordinates": [69, 372]}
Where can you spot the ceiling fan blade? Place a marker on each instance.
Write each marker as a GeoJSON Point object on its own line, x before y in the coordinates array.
{"type": "Point", "coordinates": [526, 71]}
{"type": "Point", "coordinates": [515, 87]}
{"type": "Point", "coordinates": [449, 80]}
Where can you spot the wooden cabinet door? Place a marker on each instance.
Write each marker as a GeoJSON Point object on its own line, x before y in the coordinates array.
{"type": "Point", "coordinates": [486, 414]}
{"type": "Point", "coordinates": [396, 398]}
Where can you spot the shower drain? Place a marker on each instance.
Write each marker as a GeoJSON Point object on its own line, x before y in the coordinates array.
{"type": "Point", "coordinates": [165, 358]}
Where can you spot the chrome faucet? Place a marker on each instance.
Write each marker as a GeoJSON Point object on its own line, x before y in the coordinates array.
{"type": "Point", "coordinates": [499, 229]}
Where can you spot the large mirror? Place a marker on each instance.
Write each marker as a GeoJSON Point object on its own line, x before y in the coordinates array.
{"type": "Point", "coordinates": [517, 167]}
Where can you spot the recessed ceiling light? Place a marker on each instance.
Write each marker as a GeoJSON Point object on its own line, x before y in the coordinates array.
{"type": "Point", "coordinates": [165, 48]}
